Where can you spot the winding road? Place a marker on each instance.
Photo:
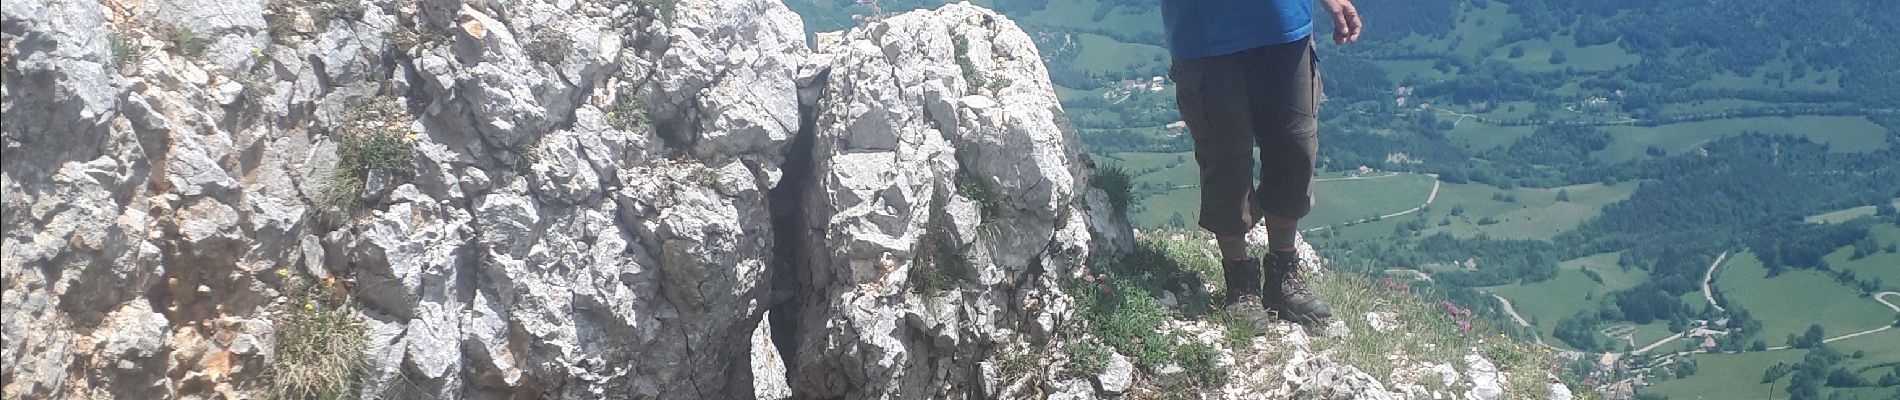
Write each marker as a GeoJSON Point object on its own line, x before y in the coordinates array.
{"type": "Point", "coordinates": [1709, 276]}
{"type": "Point", "coordinates": [1515, 317]}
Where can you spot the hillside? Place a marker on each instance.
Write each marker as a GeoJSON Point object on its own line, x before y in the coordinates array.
{"type": "Point", "coordinates": [1585, 162]}
{"type": "Point", "coordinates": [676, 199]}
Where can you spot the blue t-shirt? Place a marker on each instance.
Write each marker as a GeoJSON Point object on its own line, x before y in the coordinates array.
{"type": "Point", "coordinates": [1207, 28]}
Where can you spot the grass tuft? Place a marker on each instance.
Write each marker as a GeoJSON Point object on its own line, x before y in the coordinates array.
{"type": "Point", "coordinates": [374, 139]}
{"type": "Point", "coordinates": [550, 45]}
{"type": "Point", "coordinates": [938, 263]}
{"type": "Point", "coordinates": [126, 51]}
{"type": "Point", "coordinates": [321, 350]}
{"type": "Point", "coordinates": [187, 43]}
{"type": "Point", "coordinates": [627, 114]}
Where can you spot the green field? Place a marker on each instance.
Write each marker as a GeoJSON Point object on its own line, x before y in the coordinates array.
{"type": "Point", "coordinates": [1347, 200]}
{"type": "Point", "coordinates": [1170, 188]}
{"type": "Point", "coordinates": [1572, 290]}
{"type": "Point", "coordinates": [1738, 375]}
{"type": "Point", "coordinates": [1535, 215]}
{"type": "Point", "coordinates": [1477, 28]}
{"type": "Point", "coordinates": [1537, 52]}
{"type": "Point", "coordinates": [1415, 71]}
{"type": "Point", "coordinates": [1101, 54]}
{"type": "Point", "coordinates": [1818, 81]}
{"type": "Point", "coordinates": [1734, 376]}
{"type": "Point", "coordinates": [1479, 136]}
{"type": "Point", "coordinates": [1787, 304]}
{"type": "Point", "coordinates": [1840, 133]}
{"type": "Point", "coordinates": [1880, 264]}
{"type": "Point", "coordinates": [1835, 217]}
{"type": "Point", "coordinates": [1080, 15]}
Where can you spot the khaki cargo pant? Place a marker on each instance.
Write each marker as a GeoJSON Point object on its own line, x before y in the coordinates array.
{"type": "Point", "coordinates": [1266, 97]}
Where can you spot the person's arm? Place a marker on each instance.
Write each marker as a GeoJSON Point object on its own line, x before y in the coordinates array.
{"type": "Point", "coordinates": [1346, 25]}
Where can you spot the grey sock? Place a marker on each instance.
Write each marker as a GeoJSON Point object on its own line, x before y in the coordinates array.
{"type": "Point", "coordinates": [1232, 247]}
{"type": "Point", "coordinates": [1280, 236]}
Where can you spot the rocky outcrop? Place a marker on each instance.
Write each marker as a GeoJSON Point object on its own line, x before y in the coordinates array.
{"type": "Point", "coordinates": [558, 199]}
{"type": "Point", "coordinates": [589, 199]}
{"type": "Point", "coordinates": [946, 203]}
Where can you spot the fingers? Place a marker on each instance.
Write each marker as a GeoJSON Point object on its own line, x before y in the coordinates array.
{"type": "Point", "coordinates": [1341, 24]}
{"type": "Point", "coordinates": [1346, 24]}
{"type": "Point", "coordinates": [1353, 25]}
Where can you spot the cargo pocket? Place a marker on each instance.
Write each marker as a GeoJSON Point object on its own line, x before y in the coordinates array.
{"type": "Point", "coordinates": [1189, 97]}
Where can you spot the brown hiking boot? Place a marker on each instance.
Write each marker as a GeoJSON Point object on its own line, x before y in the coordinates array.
{"type": "Point", "coordinates": [1289, 294]}
{"type": "Point", "coordinates": [1243, 294]}
{"type": "Point", "coordinates": [1243, 279]}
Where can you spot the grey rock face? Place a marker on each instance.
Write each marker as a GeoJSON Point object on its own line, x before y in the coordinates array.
{"type": "Point", "coordinates": [937, 221]}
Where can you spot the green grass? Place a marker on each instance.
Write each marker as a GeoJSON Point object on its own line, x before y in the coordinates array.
{"type": "Point", "coordinates": [1476, 30]}
{"type": "Point", "coordinates": [1534, 215]}
{"type": "Point", "coordinates": [1729, 377]}
{"type": "Point", "coordinates": [1816, 81]}
{"type": "Point", "coordinates": [1478, 136]}
{"type": "Point", "coordinates": [1738, 375]}
{"type": "Point", "coordinates": [1537, 52]}
{"type": "Point", "coordinates": [374, 139]}
{"type": "Point", "coordinates": [321, 349]}
{"type": "Point", "coordinates": [1416, 71]}
{"type": "Point", "coordinates": [1128, 319]}
{"type": "Point", "coordinates": [1342, 201]}
{"type": "Point", "coordinates": [1841, 133]}
{"type": "Point", "coordinates": [1839, 216]}
{"type": "Point", "coordinates": [1544, 303]}
{"type": "Point", "coordinates": [1604, 264]}
{"type": "Point", "coordinates": [1080, 15]}
{"type": "Point", "coordinates": [1101, 54]}
{"type": "Point", "coordinates": [1880, 264]}
{"type": "Point", "coordinates": [1428, 334]}
{"type": "Point", "coordinates": [1786, 304]}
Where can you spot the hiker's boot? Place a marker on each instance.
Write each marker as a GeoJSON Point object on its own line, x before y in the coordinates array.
{"type": "Point", "coordinates": [1289, 294]}
{"type": "Point", "coordinates": [1243, 294]}
{"type": "Point", "coordinates": [1243, 280]}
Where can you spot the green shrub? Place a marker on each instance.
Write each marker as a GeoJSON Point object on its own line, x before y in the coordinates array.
{"type": "Point", "coordinates": [971, 76]}
{"type": "Point", "coordinates": [321, 350]}
{"type": "Point", "coordinates": [550, 45]}
{"type": "Point", "coordinates": [374, 138]}
{"type": "Point", "coordinates": [626, 114]}
{"type": "Point", "coordinates": [1086, 359]}
{"type": "Point", "coordinates": [938, 263]}
{"type": "Point", "coordinates": [126, 51]}
{"type": "Point", "coordinates": [1119, 185]}
{"type": "Point", "coordinates": [188, 43]}
{"type": "Point", "coordinates": [665, 8]}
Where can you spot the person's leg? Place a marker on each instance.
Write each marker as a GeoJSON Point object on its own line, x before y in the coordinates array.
{"type": "Point", "coordinates": [1288, 136]}
{"type": "Point", "coordinates": [1215, 105]}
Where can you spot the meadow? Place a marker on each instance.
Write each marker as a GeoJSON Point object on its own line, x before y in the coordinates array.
{"type": "Point", "coordinates": [1788, 303]}
{"type": "Point", "coordinates": [1842, 134]}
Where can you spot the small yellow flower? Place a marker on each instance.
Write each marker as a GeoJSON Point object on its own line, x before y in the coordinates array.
{"type": "Point", "coordinates": [309, 306]}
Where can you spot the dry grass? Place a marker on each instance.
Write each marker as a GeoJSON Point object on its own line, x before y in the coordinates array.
{"type": "Point", "coordinates": [1426, 331]}
{"type": "Point", "coordinates": [321, 348]}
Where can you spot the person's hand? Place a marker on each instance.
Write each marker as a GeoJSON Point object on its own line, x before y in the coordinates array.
{"type": "Point", "coordinates": [1346, 25]}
